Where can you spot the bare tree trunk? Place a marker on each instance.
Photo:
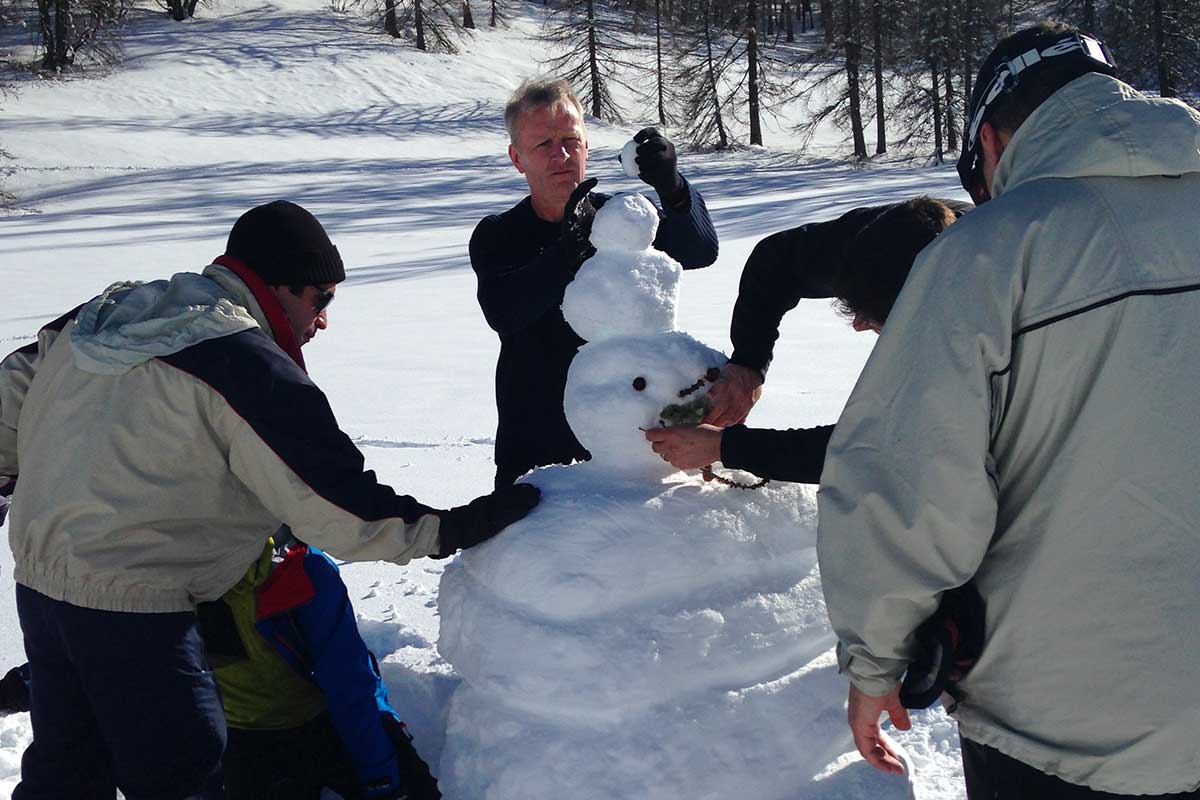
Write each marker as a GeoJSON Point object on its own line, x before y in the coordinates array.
{"type": "Point", "coordinates": [62, 27]}
{"type": "Point", "coordinates": [658, 70]}
{"type": "Point", "coordinates": [468, 18]}
{"type": "Point", "coordinates": [722, 137]}
{"type": "Point", "coordinates": [752, 72]}
{"type": "Point", "coordinates": [1166, 81]}
{"type": "Point", "coordinates": [495, 13]}
{"type": "Point", "coordinates": [827, 21]}
{"type": "Point", "coordinates": [951, 116]}
{"type": "Point", "coordinates": [176, 9]}
{"type": "Point", "coordinates": [593, 66]}
{"type": "Point", "coordinates": [419, 13]}
{"type": "Point", "coordinates": [191, 8]}
{"type": "Point", "coordinates": [968, 47]}
{"type": "Point", "coordinates": [789, 21]}
{"type": "Point", "coordinates": [937, 110]}
{"type": "Point", "coordinates": [853, 61]}
{"type": "Point", "coordinates": [389, 18]}
{"type": "Point", "coordinates": [46, 29]}
{"type": "Point", "coordinates": [1089, 17]}
{"type": "Point", "coordinates": [948, 59]}
{"type": "Point", "coordinates": [880, 119]}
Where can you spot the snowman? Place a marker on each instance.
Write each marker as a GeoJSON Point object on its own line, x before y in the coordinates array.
{"type": "Point", "coordinates": [644, 634]}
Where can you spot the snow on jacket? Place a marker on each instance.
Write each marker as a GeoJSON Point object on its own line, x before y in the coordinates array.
{"type": "Point", "coordinates": [163, 434]}
{"type": "Point", "coordinates": [1028, 418]}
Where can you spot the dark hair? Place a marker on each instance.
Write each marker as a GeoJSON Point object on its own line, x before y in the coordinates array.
{"type": "Point", "coordinates": [876, 262]}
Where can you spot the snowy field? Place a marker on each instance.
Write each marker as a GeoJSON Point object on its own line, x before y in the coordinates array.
{"type": "Point", "coordinates": [140, 173]}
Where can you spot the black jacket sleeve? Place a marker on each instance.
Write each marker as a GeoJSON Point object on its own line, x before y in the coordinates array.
{"type": "Point", "coordinates": [514, 296]}
{"type": "Point", "coordinates": [783, 269]}
{"type": "Point", "coordinates": [686, 232]}
{"type": "Point", "coordinates": [796, 455]}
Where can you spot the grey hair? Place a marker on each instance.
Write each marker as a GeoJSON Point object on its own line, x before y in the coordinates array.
{"type": "Point", "coordinates": [534, 94]}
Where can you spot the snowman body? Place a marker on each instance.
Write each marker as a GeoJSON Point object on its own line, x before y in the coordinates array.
{"type": "Point", "coordinates": [643, 634]}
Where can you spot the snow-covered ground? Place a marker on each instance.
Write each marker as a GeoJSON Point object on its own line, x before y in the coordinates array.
{"type": "Point", "coordinates": [140, 173]}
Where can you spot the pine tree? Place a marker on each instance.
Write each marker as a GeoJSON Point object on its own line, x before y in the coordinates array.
{"type": "Point", "coordinates": [698, 80]}
{"type": "Point", "coordinates": [432, 22]}
{"type": "Point", "coordinates": [592, 54]}
{"type": "Point", "coordinates": [69, 29]}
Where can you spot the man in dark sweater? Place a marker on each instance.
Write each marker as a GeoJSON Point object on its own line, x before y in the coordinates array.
{"type": "Point", "coordinates": [861, 259]}
{"type": "Point", "coordinates": [525, 257]}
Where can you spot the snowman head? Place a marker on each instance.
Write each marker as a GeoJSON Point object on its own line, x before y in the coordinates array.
{"type": "Point", "coordinates": [619, 386]}
{"type": "Point", "coordinates": [627, 288]}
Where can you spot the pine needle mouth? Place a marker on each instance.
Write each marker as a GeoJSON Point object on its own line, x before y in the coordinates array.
{"type": "Point", "coordinates": [690, 413]}
{"type": "Point", "coordinates": [695, 410]}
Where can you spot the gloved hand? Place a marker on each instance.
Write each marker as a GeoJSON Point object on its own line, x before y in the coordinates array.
{"type": "Point", "coordinates": [484, 517]}
{"type": "Point", "coordinates": [416, 781]}
{"type": "Point", "coordinates": [7, 486]}
{"type": "Point", "coordinates": [577, 223]}
{"type": "Point", "coordinates": [657, 165]}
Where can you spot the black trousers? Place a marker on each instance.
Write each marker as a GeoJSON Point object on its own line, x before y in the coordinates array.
{"type": "Point", "coordinates": [991, 775]}
{"type": "Point", "coordinates": [117, 700]}
{"type": "Point", "coordinates": [292, 764]}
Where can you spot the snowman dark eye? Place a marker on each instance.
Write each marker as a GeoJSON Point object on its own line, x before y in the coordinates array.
{"type": "Point", "coordinates": [639, 383]}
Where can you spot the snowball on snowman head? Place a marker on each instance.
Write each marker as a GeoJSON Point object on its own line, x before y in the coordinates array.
{"type": "Point", "coordinates": [636, 371]}
{"type": "Point", "coordinates": [627, 288]}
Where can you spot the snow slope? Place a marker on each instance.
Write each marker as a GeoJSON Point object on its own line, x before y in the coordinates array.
{"type": "Point", "coordinates": [140, 172]}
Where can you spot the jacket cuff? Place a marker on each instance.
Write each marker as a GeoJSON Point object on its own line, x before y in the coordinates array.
{"type": "Point", "coordinates": [871, 676]}
{"type": "Point", "coordinates": [752, 360]}
{"type": "Point", "coordinates": [733, 446]}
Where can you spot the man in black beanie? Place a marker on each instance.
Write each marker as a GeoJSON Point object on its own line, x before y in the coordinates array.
{"type": "Point", "coordinates": [165, 429]}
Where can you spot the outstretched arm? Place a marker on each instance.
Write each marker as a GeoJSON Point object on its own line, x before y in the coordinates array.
{"type": "Point", "coordinates": [783, 269]}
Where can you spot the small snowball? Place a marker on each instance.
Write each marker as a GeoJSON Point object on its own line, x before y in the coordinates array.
{"type": "Point", "coordinates": [628, 159]}
{"type": "Point", "coordinates": [627, 224]}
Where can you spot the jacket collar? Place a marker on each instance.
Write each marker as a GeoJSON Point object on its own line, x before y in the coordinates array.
{"type": "Point", "coordinates": [259, 300]}
{"type": "Point", "coordinates": [1097, 126]}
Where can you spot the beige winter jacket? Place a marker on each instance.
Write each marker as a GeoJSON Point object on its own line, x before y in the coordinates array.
{"type": "Point", "coordinates": [161, 435]}
{"type": "Point", "coordinates": [1028, 418]}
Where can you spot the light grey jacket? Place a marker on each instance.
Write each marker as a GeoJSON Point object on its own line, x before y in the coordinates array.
{"type": "Point", "coordinates": [1028, 419]}
{"type": "Point", "coordinates": [161, 435]}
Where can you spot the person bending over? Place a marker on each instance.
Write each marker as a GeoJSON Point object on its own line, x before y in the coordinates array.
{"type": "Point", "coordinates": [861, 259]}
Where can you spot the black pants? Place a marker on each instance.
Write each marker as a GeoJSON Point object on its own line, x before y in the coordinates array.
{"type": "Point", "coordinates": [117, 700]}
{"type": "Point", "coordinates": [991, 775]}
{"type": "Point", "coordinates": [292, 764]}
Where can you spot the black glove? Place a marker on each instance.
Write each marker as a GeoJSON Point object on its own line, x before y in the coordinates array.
{"type": "Point", "coordinates": [948, 645]}
{"type": "Point", "coordinates": [416, 781]}
{"type": "Point", "coordinates": [577, 223]}
{"type": "Point", "coordinates": [484, 517]}
{"type": "Point", "coordinates": [14, 690]}
{"type": "Point", "coordinates": [657, 167]}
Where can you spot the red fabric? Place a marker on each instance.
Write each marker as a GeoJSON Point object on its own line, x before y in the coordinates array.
{"type": "Point", "coordinates": [287, 588]}
{"type": "Point", "coordinates": [280, 327]}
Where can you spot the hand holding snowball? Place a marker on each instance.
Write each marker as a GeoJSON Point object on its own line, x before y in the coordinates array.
{"type": "Point", "coordinates": [734, 395]}
{"type": "Point", "coordinates": [654, 162]}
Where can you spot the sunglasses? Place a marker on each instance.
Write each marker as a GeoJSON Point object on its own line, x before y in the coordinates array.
{"type": "Point", "coordinates": [323, 299]}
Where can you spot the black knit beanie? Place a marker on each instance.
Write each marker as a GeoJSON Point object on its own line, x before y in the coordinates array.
{"type": "Point", "coordinates": [285, 245]}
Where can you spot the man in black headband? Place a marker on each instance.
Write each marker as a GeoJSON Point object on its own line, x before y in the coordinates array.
{"type": "Point", "coordinates": [1026, 422]}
